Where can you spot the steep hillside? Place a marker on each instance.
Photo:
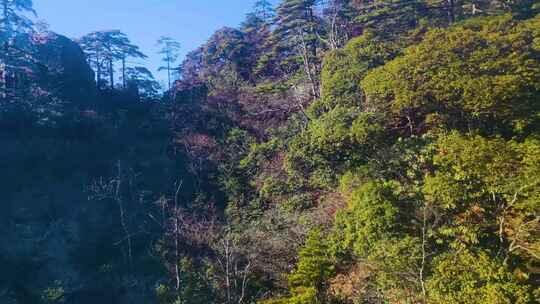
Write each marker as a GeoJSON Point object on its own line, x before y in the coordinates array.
{"type": "Point", "coordinates": [322, 152]}
{"type": "Point", "coordinates": [410, 177]}
{"type": "Point", "coordinates": [81, 173]}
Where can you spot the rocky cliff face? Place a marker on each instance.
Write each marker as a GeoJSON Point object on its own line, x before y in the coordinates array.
{"type": "Point", "coordinates": [62, 241]}
{"type": "Point", "coordinates": [63, 68]}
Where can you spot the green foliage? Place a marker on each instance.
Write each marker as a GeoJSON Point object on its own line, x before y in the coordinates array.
{"type": "Point", "coordinates": [104, 48]}
{"type": "Point", "coordinates": [435, 150]}
{"type": "Point", "coordinates": [315, 266]}
{"type": "Point", "coordinates": [371, 216]}
{"type": "Point", "coordinates": [392, 17]}
{"type": "Point", "coordinates": [479, 182]}
{"type": "Point", "coordinates": [468, 182]}
{"type": "Point", "coordinates": [343, 69]}
{"type": "Point", "coordinates": [234, 173]}
{"type": "Point", "coordinates": [418, 164]}
{"type": "Point", "coordinates": [397, 261]}
{"type": "Point", "coordinates": [169, 50]}
{"type": "Point", "coordinates": [295, 43]}
{"type": "Point", "coordinates": [294, 19]}
{"type": "Point", "coordinates": [341, 132]}
{"type": "Point", "coordinates": [482, 74]}
{"type": "Point", "coordinates": [227, 46]}
{"type": "Point", "coordinates": [54, 294]}
{"type": "Point", "coordinates": [469, 277]}
{"type": "Point", "coordinates": [299, 202]}
{"type": "Point", "coordinates": [14, 19]}
{"type": "Point", "coordinates": [340, 139]}
{"type": "Point", "coordinates": [164, 294]}
{"type": "Point", "coordinates": [193, 288]}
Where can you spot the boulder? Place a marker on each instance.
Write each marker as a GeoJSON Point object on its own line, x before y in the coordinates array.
{"type": "Point", "coordinates": [63, 69]}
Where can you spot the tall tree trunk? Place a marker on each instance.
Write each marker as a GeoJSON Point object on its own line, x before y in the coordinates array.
{"type": "Point", "coordinates": [124, 71]}
{"type": "Point", "coordinates": [4, 65]}
{"type": "Point", "coordinates": [424, 254]}
{"type": "Point", "coordinates": [176, 239]}
{"type": "Point", "coordinates": [5, 7]}
{"type": "Point", "coordinates": [111, 73]}
{"type": "Point", "coordinates": [311, 54]}
{"type": "Point", "coordinates": [451, 12]}
{"type": "Point", "coordinates": [313, 42]}
{"type": "Point", "coordinates": [169, 69]}
{"type": "Point", "coordinates": [309, 66]}
{"type": "Point", "coordinates": [3, 87]}
{"type": "Point", "coordinates": [98, 70]}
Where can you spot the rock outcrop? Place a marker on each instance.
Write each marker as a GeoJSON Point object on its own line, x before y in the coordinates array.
{"type": "Point", "coordinates": [63, 68]}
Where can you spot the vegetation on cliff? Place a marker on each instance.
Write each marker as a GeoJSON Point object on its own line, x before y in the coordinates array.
{"type": "Point", "coordinates": [322, 152]}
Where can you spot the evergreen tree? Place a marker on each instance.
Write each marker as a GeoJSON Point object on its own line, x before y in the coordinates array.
{"type": "Point", "coordinates": [142, 82]}
{"type": "Point", "coordinates": [296, 39]}
{"type": "Point", "coordinates": [315, 266]}
{"type": "Point", "coordinates": [264, 10]}
{"type": "Point", "coordinates": [104, 48]}
{"type": "Point", "coordinates": [257, 29]}
{"type": "Point", "coordinates": [169, 50]}
{"type": "Point", "coordinates": [93, 48]}
{"type": "Point", "coordinates": [12, 21]}
{"type": "Point", "coordinates": [127, 50]}
{"type": "Point", "coordinates": [390, 17]}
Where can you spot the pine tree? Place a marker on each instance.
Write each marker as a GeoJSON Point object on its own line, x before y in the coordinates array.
{"type": "Point", "coordinates": [314, 268]}
{"type": "Point", "coordinates": [13, 18]}
{"type": "Point", "coordinates": [127, 50]}
{"type": "Point", "coordinates": [12, 21]}
{"type": "Point", "coordinates": [142, 82]}
{"type": "Point", "coordinates": [264, 10]}
{"type": "Point", "coordinates": [390, 17]}
{"type": "Point", "coordinates": [104, 48]}
{"type": "Point", "coordinates": [257, 31]}
{"type": "Point", "coordinates": [169, 51]}
{"type": "Point", "coordinates": [228, 51]}
{"type": "Point", "coordinates": [295, 36]}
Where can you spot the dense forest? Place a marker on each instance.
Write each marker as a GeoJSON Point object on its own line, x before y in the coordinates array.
{"type": "Point", "coordinates": [321, 152]}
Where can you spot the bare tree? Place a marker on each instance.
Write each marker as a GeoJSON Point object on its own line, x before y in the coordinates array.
{"type": "Point", "coordinates": [120, 189]}
{"type": "Point", "coordinates": [190, 231]}
{"type": "Point", "coordinates": [338, 20]}
{"type": "Point", "coordinates": [234, 264]}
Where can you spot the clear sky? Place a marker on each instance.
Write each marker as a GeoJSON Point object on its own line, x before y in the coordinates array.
{"type": "Point", "coordinates": [191, 22]}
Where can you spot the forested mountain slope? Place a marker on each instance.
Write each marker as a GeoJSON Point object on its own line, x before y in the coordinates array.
{"type": "Point", "coordinates": [322, 152]}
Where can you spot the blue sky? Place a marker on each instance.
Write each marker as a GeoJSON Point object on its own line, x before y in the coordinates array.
{"type": "Point", "coordinates": [191, 22]}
